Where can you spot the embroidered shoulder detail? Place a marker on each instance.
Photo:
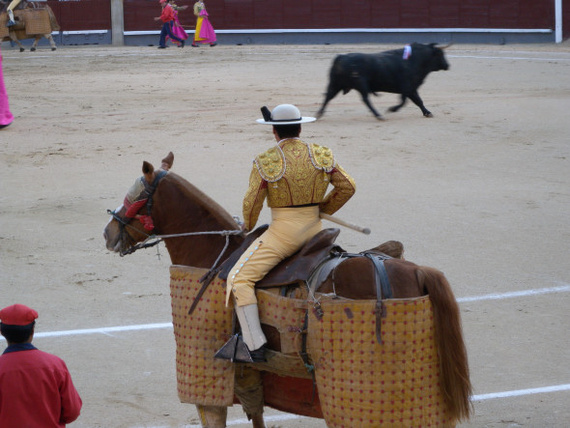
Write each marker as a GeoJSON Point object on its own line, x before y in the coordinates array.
{"type": "Point", "coordinates": [322, 157]}
{"type": "Point", "coordinates": [271, 164]}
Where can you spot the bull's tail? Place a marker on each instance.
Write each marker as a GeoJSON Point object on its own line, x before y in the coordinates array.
{"type": "Point", "coordinates": [454, 368]}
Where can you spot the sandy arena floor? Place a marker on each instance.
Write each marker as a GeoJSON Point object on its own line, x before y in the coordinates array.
{"type": "Point", "coordinates": [481, 191]}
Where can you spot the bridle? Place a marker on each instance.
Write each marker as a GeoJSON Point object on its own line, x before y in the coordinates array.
{"type": "Point", "coordinates": [126, 238]}
{"type": "Point", "coordinates": [153, 239]}
{"type": "Point", "coordinates": [124, 223]}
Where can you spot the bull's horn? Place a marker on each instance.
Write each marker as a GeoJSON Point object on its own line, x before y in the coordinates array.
{"type": "Point", "coordinates": [446, 46]}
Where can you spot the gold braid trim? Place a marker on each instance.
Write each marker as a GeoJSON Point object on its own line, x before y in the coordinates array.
{"type": "Point", "coordinates": [322, 157]}
{"type": "Point", "coordinates": [271, 164]}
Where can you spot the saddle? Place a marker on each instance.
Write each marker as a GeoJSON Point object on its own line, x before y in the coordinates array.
{"type": "Point", "coordinates": [312, 264]}
{"type": "Point", "coordinates": [294, 269]}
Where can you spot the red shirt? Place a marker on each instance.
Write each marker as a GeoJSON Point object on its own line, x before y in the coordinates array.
{"type": "Point", "coordinates": [35, 390]}
{"type": "Point", "coordinates": [167, 14]}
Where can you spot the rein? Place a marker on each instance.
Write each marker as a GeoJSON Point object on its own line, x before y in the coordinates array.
{"type": "Point", "coordinates": [159, 238]}
{"type": "Point", "coordinates": [153, 240]}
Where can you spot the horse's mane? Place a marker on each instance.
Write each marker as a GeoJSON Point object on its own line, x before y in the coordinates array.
{"type": "Point", "coordinates": [201, 199]}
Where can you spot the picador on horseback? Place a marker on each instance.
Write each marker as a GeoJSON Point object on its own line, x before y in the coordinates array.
{"type": "Point", "coordinates": [27, 20]}
{"type": "Point", "coordinates": [294, 177]}
{"type": "Point", "coordinates": [367, 315]}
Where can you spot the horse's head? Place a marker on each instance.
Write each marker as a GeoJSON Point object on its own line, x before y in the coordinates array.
{"type": "Point", "coordinates": [131, 222]}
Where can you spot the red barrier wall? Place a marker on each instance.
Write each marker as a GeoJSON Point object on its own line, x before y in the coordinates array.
{"type": "Point", "coordinates": [303, 14]}
{"type": "Point", "coordinates": [245, 14]}
{"type": "Point", "coordinates": [82, 14]}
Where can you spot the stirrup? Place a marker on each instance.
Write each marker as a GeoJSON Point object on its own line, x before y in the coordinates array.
{"type": "Point", "coordinates": [234, 350]}
{"type": "Point", "coordinates": [10, 23]}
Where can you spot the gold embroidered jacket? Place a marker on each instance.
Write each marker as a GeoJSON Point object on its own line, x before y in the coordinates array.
{"type": "Point", "coordinates": [296, 173]}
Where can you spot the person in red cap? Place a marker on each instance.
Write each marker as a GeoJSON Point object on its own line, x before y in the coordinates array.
{"type": "Point", "coordinates": [35, 387]}
{"type": "Point", "coordinates": [168, 18]}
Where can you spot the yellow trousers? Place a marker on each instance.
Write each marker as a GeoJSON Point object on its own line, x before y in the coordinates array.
{"type": "Point", "coordinates": [289, 230]}
{"type": "Point", "coordinates": [13, 5]}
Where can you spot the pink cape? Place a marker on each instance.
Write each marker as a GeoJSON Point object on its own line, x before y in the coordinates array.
{"type": "Point", "coordinates": [177, 29]}
{"type": "Point", "coordinates": [205, 30]}
{"type": "Point", "coordinates": [6, 116]}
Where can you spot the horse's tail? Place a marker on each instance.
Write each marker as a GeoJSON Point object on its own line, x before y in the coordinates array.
{"type": "Point", "coordinates": [454, 368]}
{"type": "Point", "coordinates": [52, 19]}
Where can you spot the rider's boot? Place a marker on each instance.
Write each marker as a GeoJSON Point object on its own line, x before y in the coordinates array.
{"type": "Point", "coordinates": [11, 20]}
{"type": "Point", "coordinates": [253, 337]}
{"type": "Point", "coordinates": [247, 346]}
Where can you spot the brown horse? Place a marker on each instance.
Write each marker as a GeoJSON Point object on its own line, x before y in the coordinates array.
{"type": "Point", "coordinates": [187, 220]}
{"type": "Point", "coordinates": [34, 20]}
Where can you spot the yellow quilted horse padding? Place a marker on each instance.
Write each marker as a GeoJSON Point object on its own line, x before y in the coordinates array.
{"type": "Point", "coordinates": [36, 21]}
{"type": "Point", "coordinates": [4, 31]}
{"type": "Point", "coordinates": [363, 383]}
{"type": "Point", "coordinates": [201, 379]}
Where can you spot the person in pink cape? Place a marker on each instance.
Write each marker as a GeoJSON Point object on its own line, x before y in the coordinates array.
{"type": "Point", "coordinates": [6, 117]}
{"type": "Point", "coordinates": [204, 31]}
{"type": "Point", "coordinates": [167, 17]}
{"type": "Point", "coordinates": [177, 28]}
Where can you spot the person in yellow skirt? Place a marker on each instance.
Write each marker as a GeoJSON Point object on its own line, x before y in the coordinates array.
{"type": "Point", "coordinates": [293, 176]}
{"type": "Point", "coordinates": [204, 30]}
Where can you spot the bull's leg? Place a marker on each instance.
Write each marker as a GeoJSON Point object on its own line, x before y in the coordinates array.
{"type": "Point", "coordinates": [15, 40]}
{"type": "Point", "coordinates": [395, 108]}
{"type": "Point", "coordinates": [248, 388]}
{"type": "Point", "coordinates": [331, 93]}
{"type": "Point", "coordinates": [364, 91]}
{"type": "Point", "coordinates": [415, 97]}
{"type": "Point", "coordinates": [212, 416]}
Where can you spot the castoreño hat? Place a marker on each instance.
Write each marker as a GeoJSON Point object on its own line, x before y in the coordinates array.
{"type": "Point", "coordinates": [18, 315]}
{"type": "Point", "coordinates": [283, 114]}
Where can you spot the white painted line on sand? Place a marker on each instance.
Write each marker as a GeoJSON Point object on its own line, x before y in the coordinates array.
{"type": "Point", "coordinates": [104, 330]}
{"type": "Point", "coordinates": [481, 397]}
{"type": "Point", "coordinates": [155, 326]}
{"type": "Point", "coordinates": [520, 392]}
{"type": "Point", "coordinates": [510, 295]}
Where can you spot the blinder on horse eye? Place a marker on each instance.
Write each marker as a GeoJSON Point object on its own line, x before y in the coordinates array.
{"type": "Point", "coordinates": [116, 216]}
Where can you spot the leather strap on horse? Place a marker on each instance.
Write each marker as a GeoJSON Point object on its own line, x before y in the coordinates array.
{"type": "Point", "coordinates": [223, 269]}
{"type": "Point", "coordinates": [305, 355]}
{"type": "Point", "coordinates": [383, 289]}
{"type": "Point", "coordinates": [205, 281]}
{"type": "Point", "coordinates": [150, 189]}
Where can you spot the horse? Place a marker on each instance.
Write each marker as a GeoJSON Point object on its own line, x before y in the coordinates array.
{"type": "Point", "coordinates": [34, 20]}
{"type": "Point", "coordinates": [186, 219]}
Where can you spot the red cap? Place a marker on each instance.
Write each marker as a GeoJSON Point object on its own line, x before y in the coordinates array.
{"type": "Point", "coordinates": [18, 315]}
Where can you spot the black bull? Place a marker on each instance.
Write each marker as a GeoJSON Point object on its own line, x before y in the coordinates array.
{"type": "Point", "coordinates": [385, 72]}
